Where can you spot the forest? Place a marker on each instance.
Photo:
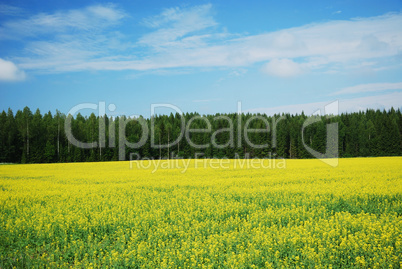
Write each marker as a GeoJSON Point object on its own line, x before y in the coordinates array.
{"type": "Point", "coordinates": [27, 137]}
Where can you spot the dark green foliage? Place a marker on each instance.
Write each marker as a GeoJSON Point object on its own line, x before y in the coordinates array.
{"type": "Point", "coordinates": [32, 138]}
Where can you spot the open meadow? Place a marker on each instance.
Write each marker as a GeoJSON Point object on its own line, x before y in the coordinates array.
{"type": "Point", "coordinates": [202, 214]}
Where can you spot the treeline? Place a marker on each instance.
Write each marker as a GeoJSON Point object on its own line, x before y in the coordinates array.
{"type": "Point", "coordinates": [27, 137]}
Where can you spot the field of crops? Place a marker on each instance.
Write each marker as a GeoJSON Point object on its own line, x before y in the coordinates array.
{"type": "Point", "coordinates": [302, 213]}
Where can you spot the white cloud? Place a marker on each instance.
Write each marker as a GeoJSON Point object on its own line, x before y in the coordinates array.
{"type": "Point", "coordinates": [10, 72]}
{"type": "Point", "coordinates": [371, 87]}
{"type": "Point", "coordinates": [282, 68]}
{"type": "Point", "coordinates": [385, 101]}
{"type": "Point", "coordinates": [65, 40]}
{"type": "Point", "coordinates": [322, 46]}
{"type": "Point", "coordinates": [372, 43]}
{"type": "Point", "coordinates": [83, 39]}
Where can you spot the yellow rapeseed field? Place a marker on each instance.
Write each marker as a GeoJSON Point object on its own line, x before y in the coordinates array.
{"type": "Point", "coordinates": [202, 214]}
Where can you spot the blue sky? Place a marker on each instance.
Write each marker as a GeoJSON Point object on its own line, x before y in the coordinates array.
{"type": "Point", "coordinates": [203, 56]}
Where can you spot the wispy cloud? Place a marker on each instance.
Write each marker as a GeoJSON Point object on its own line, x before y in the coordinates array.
{"type": "Point", "coordinates": [371, 87]}
{"type": "Point", "coordinates": [177, 26]}
{"type": "Point", "coordinates": [83, 39]}
{"type": "Point", "coordinates": [8, 10]}
{"type": "Point", "coordinates": [385, 101]}
{"type": "Point", "coordinates": [62, 22]}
